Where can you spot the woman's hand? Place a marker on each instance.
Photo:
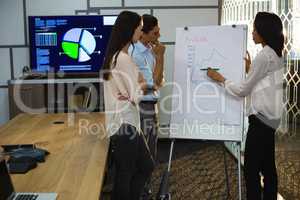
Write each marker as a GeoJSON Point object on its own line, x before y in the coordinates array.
{"type": "Point", "coordinates": [216, 76]}
{"type": "Point", "coordinates": [247, 62]}
{"type": "Point", "coordinates": [122, 97]}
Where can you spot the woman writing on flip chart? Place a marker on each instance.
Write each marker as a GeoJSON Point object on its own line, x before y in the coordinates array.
{"type": "Point", "coordinates": [263, 85]}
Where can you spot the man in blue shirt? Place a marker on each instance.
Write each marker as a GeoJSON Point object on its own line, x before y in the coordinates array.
{"type": "Point", "coordinates": [148, 54]}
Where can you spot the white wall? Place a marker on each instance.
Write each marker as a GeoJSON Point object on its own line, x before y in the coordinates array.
{"type": "Point", "coordinates": [165, 102]}
{"type": "Point", "coordinates": [4, 75]}
{"type": "Point", "coordinates": [106, 3]}
{"type": "Point", "coordinates": [156, 3]}
{"type": "Point", "coordinates": [5, 66]}
{"type": "Point", "coordinates": [14, 49]}
{"type": "Point", "coordinates": [171, 18]}
{"type": "Point", "coordinates": [117, 11]}
{"type": "Point", "coordinates": [20, 59]}
{"type": "Point", "coordinates": [3, 109]}
{"type": "Point", "coordinates": [12, 23]}
{"type": "Point", "coordinates": [54, 7]}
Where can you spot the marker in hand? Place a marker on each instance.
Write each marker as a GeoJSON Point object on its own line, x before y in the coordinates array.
{"type": "Point", "coordinates": [205, 69]}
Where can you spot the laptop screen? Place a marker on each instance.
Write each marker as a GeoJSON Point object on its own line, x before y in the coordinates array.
{"type": "Point", "coordinates": [6, 187]}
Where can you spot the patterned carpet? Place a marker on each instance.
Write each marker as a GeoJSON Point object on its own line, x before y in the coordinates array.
{"type": "Point", "coordinates": [288, 167]}
{"type": "Point", "coordinates": [198, 171]}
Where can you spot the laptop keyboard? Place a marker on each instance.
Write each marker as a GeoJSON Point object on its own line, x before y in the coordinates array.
{"type": "Point", "coordinates": [27, 197]}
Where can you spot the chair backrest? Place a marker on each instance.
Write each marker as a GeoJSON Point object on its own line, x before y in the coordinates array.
{"type": "Point", "coordinates": [80, 102]}
{"type": "Point", "coordinates": [87, 98]}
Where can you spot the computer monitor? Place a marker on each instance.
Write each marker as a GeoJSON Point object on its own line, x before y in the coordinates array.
{"type": "Point", "coordinates": [68, 44]}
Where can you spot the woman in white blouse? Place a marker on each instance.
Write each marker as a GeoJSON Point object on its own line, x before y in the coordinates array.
{"type": "Point", "coordinates": [263, 85]}
{"type": "Point", "coordinates": [122, 90]}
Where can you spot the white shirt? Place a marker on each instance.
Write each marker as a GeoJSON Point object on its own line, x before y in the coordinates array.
{"type": "Point", "coordinates": [123, 82]}
{"type": "Point", "coordinates": [263, 85]}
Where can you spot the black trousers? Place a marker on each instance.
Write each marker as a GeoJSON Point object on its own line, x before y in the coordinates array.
{"type": "Point", "coordinates": [260, 159]}
{"type": "Point", "coordinates": [133, 163]}
{"type": "Point", "coordinates": [149, 125]}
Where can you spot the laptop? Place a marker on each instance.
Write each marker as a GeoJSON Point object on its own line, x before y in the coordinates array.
{"type": "Point", "coordinates": [7, 190]}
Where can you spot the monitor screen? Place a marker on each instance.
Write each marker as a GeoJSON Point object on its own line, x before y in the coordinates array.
{"type": "Point", "coordinates": [70, 44]}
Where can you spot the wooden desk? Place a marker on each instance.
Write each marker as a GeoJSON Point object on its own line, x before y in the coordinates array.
{"type": "Point", "coordinates": [76, 164]}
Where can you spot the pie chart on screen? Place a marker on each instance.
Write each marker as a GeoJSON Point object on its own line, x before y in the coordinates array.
{"type": "Point", "coordinates": [78, 44]}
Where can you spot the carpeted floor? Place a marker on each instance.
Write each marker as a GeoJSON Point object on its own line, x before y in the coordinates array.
{"type": "Point", "coordinates": [198, 170]}
{"type": "Point", "coordinates": [288, 166]}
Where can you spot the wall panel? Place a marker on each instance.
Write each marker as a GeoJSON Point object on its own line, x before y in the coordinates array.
{"type": "Point", "coordinates": [12, 23]}
{"type": "Point", "coordinates": [20, 59]}
{"type": "Point", "coordinates": [171, 3]}
{"type": "Point", "coordinates": [4, 108]}
{"type": "Point", "coordinates": [4, 66]}
{"type": "Point", "coordinates": [172, 18]}
{"type": "Point", "coordinates": [106, 3]}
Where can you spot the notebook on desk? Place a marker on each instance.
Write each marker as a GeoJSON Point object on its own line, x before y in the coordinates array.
{"type": "Point", "coordinates": [7, 191]}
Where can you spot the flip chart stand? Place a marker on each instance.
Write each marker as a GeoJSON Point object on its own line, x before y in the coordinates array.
{"type": "Point", "coordinates": [164, 193]}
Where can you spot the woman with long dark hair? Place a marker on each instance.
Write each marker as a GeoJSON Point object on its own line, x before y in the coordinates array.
{"type": "Point", "coordinates": [122, 89]}
{"type": "Point", "coordinates": [264, 86]}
